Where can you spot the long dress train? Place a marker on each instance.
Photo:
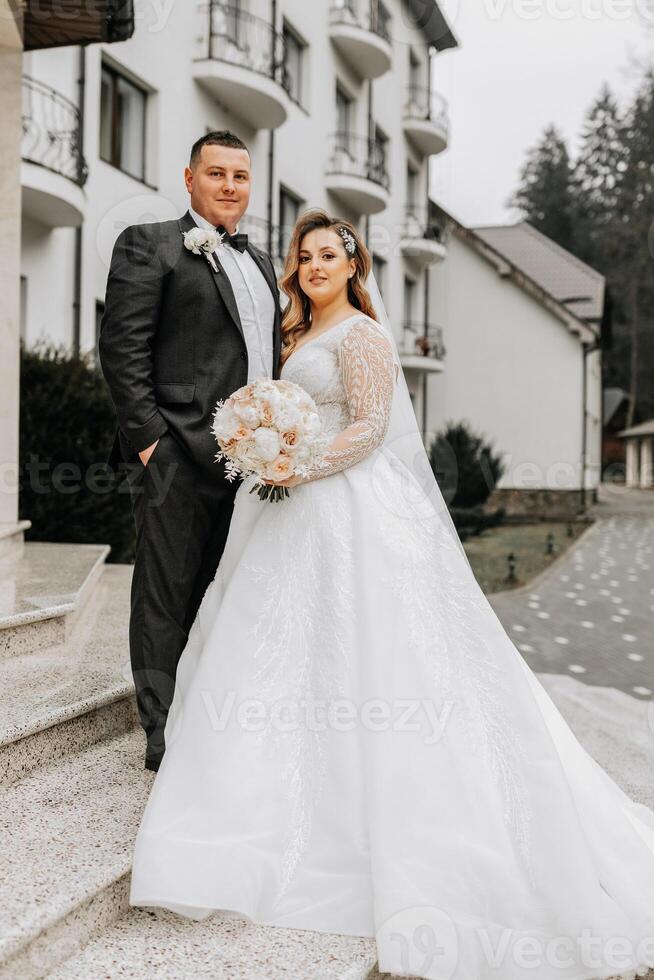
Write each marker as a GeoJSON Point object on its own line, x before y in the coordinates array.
{"type": "Point", "coordinates": [356, 746]}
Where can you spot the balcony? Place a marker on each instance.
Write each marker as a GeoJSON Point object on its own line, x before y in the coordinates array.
{"type": "Point", "coordinates": [53, 169]}
{"type": "Point", "coordinates": [357, 172]}
{"type": "Point", "coordinates": [421, 347]}
{"type": "Point", "coordinates": [423, 236]}
{"type": "Point", "coordinates": [360, 30]}
{"type": "Point", "coordinates": [241, 65]}
{"type": "Point", "coordinates": [426, 120]}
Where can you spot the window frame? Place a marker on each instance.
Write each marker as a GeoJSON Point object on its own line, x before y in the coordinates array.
{"type": "Point", "coordinates": [344, 136]}
{"type": "Point", "coordinates": [115, 74]}
{"type": "Point", "coordinates": [288, 31]}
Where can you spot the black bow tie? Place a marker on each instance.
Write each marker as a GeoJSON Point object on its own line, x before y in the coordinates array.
{"type": "Point", "coordinates": [239, 242]}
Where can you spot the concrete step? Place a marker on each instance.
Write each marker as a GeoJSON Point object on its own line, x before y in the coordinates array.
{"type": "Point", "coordinates": [63, 698]}
{"type": "Point", "coordinates": [68, 831]}
{"type": "Point", "coordinates": [147, 943]}
{"type": "Point", "coordinates": [12, 538]}
{"type": "Point", "coordinates": [64, 889]}
{"type": "Point", "coordinates": [43, 590]}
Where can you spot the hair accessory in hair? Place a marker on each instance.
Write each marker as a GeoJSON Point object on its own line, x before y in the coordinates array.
{"type": "Point", "coordinates": [350, 243]}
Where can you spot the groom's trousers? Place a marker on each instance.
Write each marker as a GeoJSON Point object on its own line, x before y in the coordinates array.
{"type": "Point", "coordinates": [182, 516]}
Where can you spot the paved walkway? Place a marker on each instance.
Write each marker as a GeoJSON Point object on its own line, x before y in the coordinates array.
{"type": "Point", "coordinates": [591, 614]}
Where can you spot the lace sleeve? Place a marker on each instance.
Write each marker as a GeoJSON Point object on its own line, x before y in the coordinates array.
{"type": "Point", "coordinates": [368, 373]}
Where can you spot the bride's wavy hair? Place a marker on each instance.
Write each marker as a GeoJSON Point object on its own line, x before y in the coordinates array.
{"type": "Point", "coordinates": [296, 319]}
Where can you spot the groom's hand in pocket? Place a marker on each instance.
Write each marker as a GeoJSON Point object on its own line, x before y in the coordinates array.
{"type": "Point", "coordinates": [144, 454]}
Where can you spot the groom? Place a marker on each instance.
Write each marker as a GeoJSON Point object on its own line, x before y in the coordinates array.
{"type": "Point", "coordinates": [178, 333]}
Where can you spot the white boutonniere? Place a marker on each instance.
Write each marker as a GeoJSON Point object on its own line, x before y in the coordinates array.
{"type": "Point", "coordinates": [200, 241]}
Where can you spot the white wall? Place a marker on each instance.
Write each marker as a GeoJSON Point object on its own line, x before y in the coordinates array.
{"type": "Point", "coordinates": [48, 265]}
{"type": "Point", "coordinates": [513, 371]}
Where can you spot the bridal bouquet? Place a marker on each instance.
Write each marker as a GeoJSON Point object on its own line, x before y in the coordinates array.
{"type": "Point", "coordinates": [271, 429]}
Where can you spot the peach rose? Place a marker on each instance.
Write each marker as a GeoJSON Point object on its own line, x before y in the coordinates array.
{"type": "Point", "coordinates": [246, 411]}
{"type": "Point", "coordinates": [267, 414]}
{"type": "Point", "coordinates": [289, 438]}
{"type": "Point", "coordinates": [281, 468]}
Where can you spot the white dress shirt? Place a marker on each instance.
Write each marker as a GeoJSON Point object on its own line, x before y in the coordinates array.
{"type": "Point", "coordinates": [254, 300]}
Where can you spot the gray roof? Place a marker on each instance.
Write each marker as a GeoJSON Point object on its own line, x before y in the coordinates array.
{"type": "Point", "coordinates": [574, 284]}
{"type": "Point", "coordinates": [644, 429]}
{"type": "Point", "coordinates": [613, 399]}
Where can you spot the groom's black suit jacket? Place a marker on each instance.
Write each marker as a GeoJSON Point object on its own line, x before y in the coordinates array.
{"type": "Point", "coordinates": [171, 342]}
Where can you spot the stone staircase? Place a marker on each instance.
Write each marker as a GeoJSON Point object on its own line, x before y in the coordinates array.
{"type": "Point", "coordinates": [73, 788]}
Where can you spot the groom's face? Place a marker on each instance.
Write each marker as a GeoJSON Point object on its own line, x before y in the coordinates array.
{"type": "Point", "coordinates": [219, 185]}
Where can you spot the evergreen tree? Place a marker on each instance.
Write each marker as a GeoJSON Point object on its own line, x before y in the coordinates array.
{"type": "Point", "coordinates": [601, 208]}
{"type": "Point", "coordinates": [598, 170]}
{"type": "Point", "coordinates": [634, 242]}
{"type": "Point", "coordinates": [545, 192]}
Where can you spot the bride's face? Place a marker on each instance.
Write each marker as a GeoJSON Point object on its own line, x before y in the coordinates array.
{"type": "Point", "coordinates": [324, 266]}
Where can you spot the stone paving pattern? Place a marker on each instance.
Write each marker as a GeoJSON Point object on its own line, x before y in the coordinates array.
{"type": "Point", "coordinates": [591, 613]}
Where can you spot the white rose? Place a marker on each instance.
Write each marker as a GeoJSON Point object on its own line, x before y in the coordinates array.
{"type": "Point", "coordinates": [193, 239]}
{"type": "Point", "coordinates": [267, 444]}
{"type": "Point", "coordinates": [247, 413]}
{"type": "Point", "coordinates": [288, 417]}
{"type": "Point", "coordinates": [224, 425]}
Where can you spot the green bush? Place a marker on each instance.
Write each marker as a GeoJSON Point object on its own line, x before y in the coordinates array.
{"type": "Point", "coordinates": [465, 465]}
{"type": "Point", "coordinates": [67, 426]}
{"type": "Point", "coordinates": [467, 470]}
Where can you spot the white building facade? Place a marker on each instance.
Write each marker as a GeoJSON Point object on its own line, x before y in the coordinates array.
{"type": "Point", "coordinates": [522, 327]}
{"type": "Point", "coordinates": [337, 101]}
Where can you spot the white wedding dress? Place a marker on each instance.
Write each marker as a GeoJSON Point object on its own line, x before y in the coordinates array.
{"type": "Point", "coordinates": [356, 746]}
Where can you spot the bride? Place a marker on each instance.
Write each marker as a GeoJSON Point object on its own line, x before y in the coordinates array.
{"type": "Point", "coordinates": [355, 745]}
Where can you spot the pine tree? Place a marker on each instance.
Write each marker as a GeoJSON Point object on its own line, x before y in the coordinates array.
{"type": "Point", "coordinates": [634, 243]}
{"type": "Point", "coordinates": [545, 192]}
{"type": "Point", "coordinates": [598, 170]}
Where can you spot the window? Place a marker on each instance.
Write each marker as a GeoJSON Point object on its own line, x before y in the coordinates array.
{"type": "Point", "coordinates": [343, 119]}
{"type": "Point", "coordinates": [122, 123]}
{"type": "Point", "coordinates": [409, 300]}
{"type": "Point", "coordinates": [380, 19]}
{"type": "Point", "coordinates": [293, 63]}
{"type": "Point", "coordinates": [379, 272]}
{"type": "Point", "coordinates": [378, 162]}
{"type": "Point", "coordinates": [233, 21]}
{"type": "Point", "coordinates": [412, 186]}
{"type": "Point", "coordinates": [416, 80]}
{"type": "Point", "coordinates": [289, 209]}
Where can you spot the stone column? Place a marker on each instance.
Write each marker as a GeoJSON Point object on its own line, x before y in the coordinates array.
{"type": "Point", "coordinates": [646, 462]}
{"type": "Point", "coordinates": [10, 198]}
{"type": "Point", "coordinates": [632, 478]}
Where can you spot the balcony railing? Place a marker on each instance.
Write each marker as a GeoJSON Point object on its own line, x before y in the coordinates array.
{"type": "Point", "coordinates": [359, 156]}
{"type": "Point", "coordinates": [371, 15]}
{"type": "Point", "coordinates": [51, 131]}
{"type": "Point", "coordinates": [420, 223]}
{"type": "Point", "coordinates": [422, 103]}
{"type": "Point", "coordinates": [240, 38]}
{"type": "Point", "coordinates": [421, 340]}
